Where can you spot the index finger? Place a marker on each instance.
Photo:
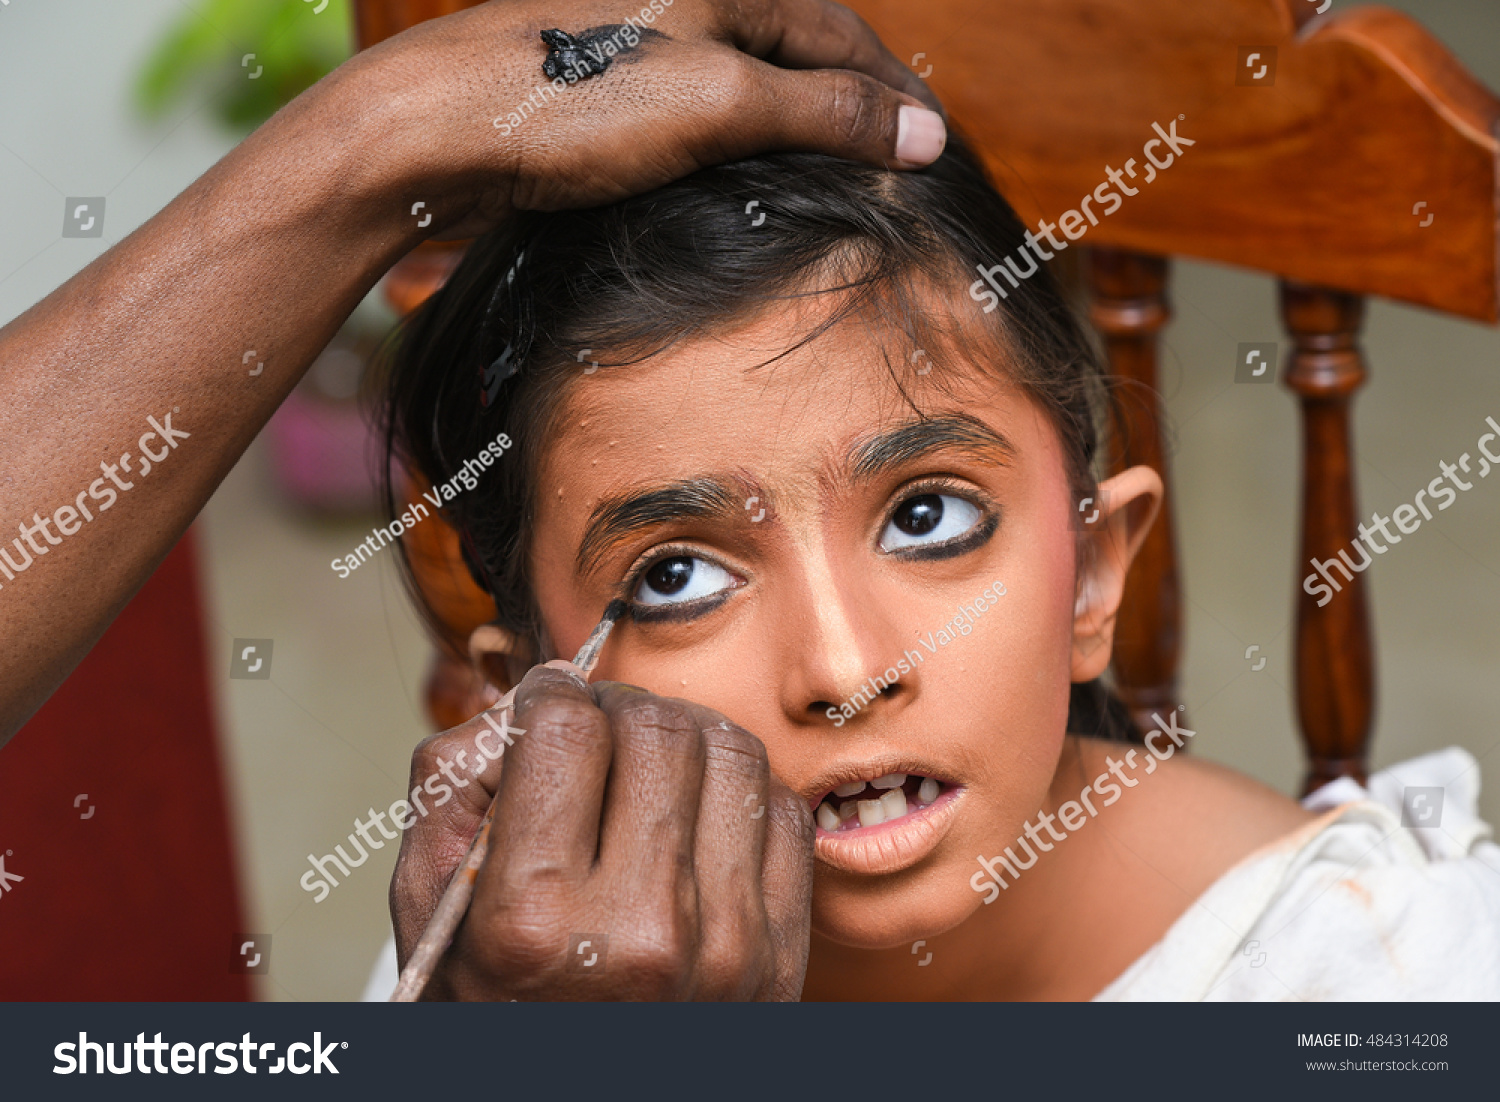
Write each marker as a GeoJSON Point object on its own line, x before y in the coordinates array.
{"type": "Point", "coordinates": [820, 34]}
{"type": "Point", "coordinates": [552, 788]}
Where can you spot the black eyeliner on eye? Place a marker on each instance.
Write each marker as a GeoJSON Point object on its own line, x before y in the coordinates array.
{"type": "Point", "coordinates": [975, 537]}
{"type": "Point", "coordinates": [672, 611]}
{"type": "Point", "coordinates": [677, 611]}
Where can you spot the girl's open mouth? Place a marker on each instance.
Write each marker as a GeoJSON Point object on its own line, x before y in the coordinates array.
{"type": "Point", "coordinates": [864, 804]}
{"type": "Point", "coordinates": [882, 823]}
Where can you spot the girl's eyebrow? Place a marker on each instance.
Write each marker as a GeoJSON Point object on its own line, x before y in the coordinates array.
{"type": "Point", "coordinates": [616, 519]}
{"type": "Point", "coordinates": [910, 441]}
{"type": "Point", "coordinates": [723, 499]}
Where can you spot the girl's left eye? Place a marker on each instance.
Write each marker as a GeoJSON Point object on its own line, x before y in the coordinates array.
{"type": "Point", "coordinates": [928, 519]}
{"type": "Point", "coordinates": [681, 579]}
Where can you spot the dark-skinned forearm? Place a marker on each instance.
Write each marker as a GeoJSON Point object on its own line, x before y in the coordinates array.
{"type": "Point", "coordinates": [269, 251]}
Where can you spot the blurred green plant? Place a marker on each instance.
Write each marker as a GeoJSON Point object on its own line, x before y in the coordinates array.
{"type": "Point", "coordinates": [294, 45]}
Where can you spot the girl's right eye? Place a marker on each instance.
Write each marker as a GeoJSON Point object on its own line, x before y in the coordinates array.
{"type": "Point", "coordinates": [680, 580]}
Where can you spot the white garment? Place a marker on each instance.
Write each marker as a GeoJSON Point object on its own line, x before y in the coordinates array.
{"type": "Point", "coordinates": [383, 976]}
{"type": "Point", "coordinates": [1352, 906]}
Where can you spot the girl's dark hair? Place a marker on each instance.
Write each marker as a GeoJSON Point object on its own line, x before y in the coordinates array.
{"type": "Point", "coordinates": [497, 347]}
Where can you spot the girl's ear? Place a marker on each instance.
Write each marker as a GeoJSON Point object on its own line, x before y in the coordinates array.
{"type": "Point", "coordinates": [1128, 503]}
{"type": "Point", "coordinates": [500, 656]}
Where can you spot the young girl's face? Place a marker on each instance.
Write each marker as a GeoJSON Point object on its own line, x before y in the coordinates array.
{"type": "Point", "coordinates": [788, 533]}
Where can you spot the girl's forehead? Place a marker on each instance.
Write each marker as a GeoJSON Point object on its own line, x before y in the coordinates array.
{"type": "Point", "coordinates": [814, 417]}
{"type": "Point", "coordinates": [766, 384]}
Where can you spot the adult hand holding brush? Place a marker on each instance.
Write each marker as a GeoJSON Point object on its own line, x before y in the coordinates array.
{"type": "Point", "coordinates": [649, 827]}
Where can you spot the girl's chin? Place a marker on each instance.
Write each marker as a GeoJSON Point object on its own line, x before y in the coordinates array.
{"type": "Point", "coordinates": [874, 923]}
{"type": "Point", "coordinates": [894, 914]}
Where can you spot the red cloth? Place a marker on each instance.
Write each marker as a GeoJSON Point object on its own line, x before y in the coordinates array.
{"type": "Point", "coordinates": [139, 901]}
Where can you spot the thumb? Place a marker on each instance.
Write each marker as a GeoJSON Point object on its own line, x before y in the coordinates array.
{"type": "Point", "coordinates": [845, 114]}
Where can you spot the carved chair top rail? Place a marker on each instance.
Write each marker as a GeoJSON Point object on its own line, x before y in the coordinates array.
{"type": "Point", "coordinates": [1364, 159]}
{"type": "Point", "coordinates": [1312, 173]}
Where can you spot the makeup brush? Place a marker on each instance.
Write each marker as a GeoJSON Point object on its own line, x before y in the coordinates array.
{"type": "Point", "coordinates": [455, 902]}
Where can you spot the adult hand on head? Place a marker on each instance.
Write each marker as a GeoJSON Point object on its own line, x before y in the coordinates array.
{"type": "Point", "coordinates": [264, 256]}
{"type": "Point", "coordinates": [651, 827]}
{"type": "Point", "coordinates": [469, 123]}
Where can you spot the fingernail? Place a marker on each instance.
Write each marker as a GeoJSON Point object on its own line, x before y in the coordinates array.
{"type": "Point", "coordinates": [920, 135]}
{"type": "Point", "coordinates": [571, 670]}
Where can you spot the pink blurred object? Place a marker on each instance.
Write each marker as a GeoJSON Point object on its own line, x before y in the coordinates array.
{"type": "Point", "coordinates": [322, 448]}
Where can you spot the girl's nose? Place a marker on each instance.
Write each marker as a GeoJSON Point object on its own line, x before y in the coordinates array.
{"type": "Point", "coordinates": [841, 649]}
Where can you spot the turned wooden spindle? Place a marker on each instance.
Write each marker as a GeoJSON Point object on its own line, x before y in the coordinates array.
{"type": "Point", "coordinates": [1129, 307]}
{"type": "Point", "coordinates": [1335, 669]}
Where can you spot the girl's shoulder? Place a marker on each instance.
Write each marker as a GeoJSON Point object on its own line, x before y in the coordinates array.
{"type": "Point", "coordinates": [1216, 815]}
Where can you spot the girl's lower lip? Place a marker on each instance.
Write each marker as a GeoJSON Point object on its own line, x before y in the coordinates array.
{"type": "Point", "coordinates": [892, 846]}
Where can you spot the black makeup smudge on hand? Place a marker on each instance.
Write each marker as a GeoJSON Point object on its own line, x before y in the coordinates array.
{"type": "Point", "coordinates": [584, 52]}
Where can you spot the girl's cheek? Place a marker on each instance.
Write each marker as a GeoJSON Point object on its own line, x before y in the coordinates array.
{"type": "Point", "coordinates": [719, 682]}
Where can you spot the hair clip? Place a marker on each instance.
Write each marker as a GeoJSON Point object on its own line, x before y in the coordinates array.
{"type": "Point", "coordinates": [508, 362]}
{"type": "Point", "coordinates": [510, 276]}
{"type": "Point", "coordinates": [503, 368]}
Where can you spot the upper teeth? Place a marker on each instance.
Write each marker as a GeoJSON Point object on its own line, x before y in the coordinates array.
{"type": "Point", "coordinates": [887, 802]}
